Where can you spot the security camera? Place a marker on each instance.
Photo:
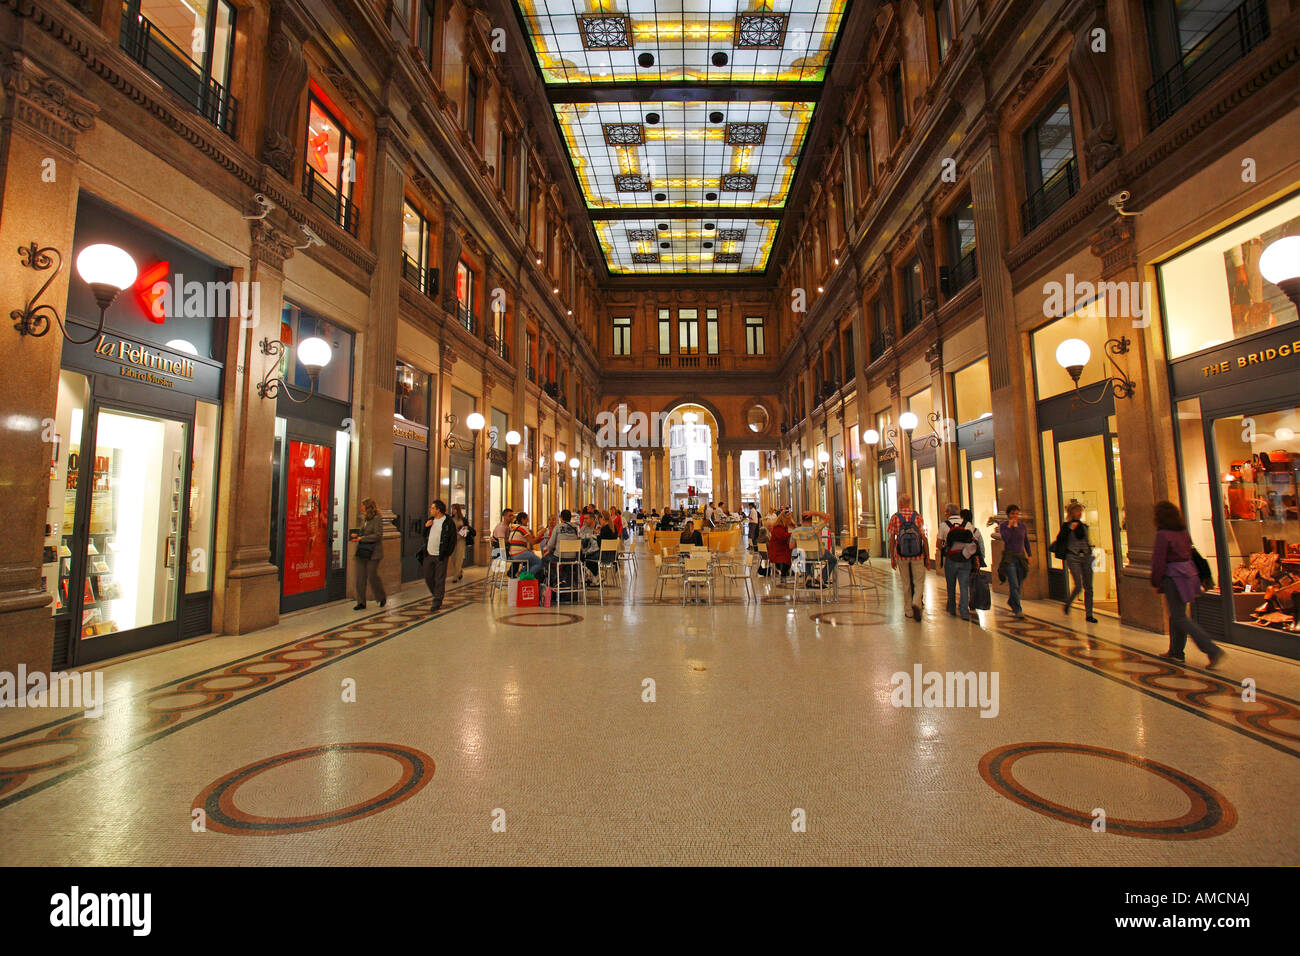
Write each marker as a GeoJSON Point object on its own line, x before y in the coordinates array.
{"type": "Point", "coordinates": [1118, 200]}
{"type": "Point", "coordinates": [312, 238]}
{"type": "Point", "coordinates": [264, 204]}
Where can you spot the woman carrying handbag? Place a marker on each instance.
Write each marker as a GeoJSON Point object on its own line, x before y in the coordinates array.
{"type": "Point", "coordinates": [370, 551]}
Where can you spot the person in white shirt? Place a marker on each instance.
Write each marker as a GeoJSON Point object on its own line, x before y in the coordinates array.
{"type": "Point", "coordinates": [438, 550]}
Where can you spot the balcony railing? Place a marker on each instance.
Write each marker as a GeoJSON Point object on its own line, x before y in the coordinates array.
{"type": "Point", "coordinates": [1231, 39]}
{"type": "Point", "coordinates": [173, 68]}
{"type": "Point", "coordinates": [424, 279]}
{"type": "Point", "coordinates": [961, 274]}
{"type": "Point", "coordinates": [320, 192]}
{"type": "Point", "coordinates": [1050, 196]}
{"type": "Point", "coordinates": [912, 317]}
{"type": "Point", "coordinates": [688, 361]}
{"type": "Point", "coordinates": [877, 347]}
{"type": "Point", "coordinates": [531, 374]}
{"type": "Point", "coordinates": [466, 318]}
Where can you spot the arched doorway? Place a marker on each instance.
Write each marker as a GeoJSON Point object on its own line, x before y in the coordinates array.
{"type": "Point", "coordinates": [691, 435]}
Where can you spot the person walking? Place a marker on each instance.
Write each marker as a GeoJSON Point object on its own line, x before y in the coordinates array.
{"type": "Point", "coordinates": [438, 548]}
{"type": "Point", "coordinates": [1014, 535]}
{"type": "Point", "coordinates": [1074, 547]}
{"type": "Point", "coordinates": [752, 515]}
{"type": "Point", "coordinates": [908, 554]}
{"type": "Point", "coordinates": [370, 551]}
{"type": "Point", "coordinates": [1174, 574]}
{"type": "Point", "coordinates": [956, 551]}
{"type": "Point", "coordinates": [455, 567]}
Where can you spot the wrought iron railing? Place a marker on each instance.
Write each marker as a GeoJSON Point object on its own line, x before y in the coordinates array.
{"type": "Point", "coordinates": [466, 317]}
{"type": "Point", "coordinates": [962, 273]}
{"type": "Point", "coordinates": [320, 192]}
{"type": "Point", "coordinates": [912, 316]}
{"type": "Point", "coordinates": [877, 346]}
{"type": "Point", "coordinates": [173, 68]}
{"type": "Point", "coordinates": [1232, 38]}
{"type": "Point", "coordinates": [531, 374]}
{"type": "Point", "coordinates": [1051, 195]}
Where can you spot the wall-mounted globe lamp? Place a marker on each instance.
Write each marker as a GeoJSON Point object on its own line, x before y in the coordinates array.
{"type": "Point", "coordinates": [313, 352]}
{"type": "Point", "coordinates": [105, 268]}
{"type": "Point", "coordinates": [1280, 265]}
{"type": "Point", "coordinates": [1073, 355]}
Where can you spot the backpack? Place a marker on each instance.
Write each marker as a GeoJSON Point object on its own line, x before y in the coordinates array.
{"type": "Point", "coordinates": [908, 543]}
{"type": "Point", "coordinates": [958, 537]}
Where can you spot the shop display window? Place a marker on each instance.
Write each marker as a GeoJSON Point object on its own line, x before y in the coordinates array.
{"type": "Point", "coordinates": [1214, 293]}
{"type": "Point", "coordinates": [202, 499]}
{"type": "Point", "coordinates": [335, 379]}
{"type": "Point", "coordinates": [306, 522]}
{"type": "Point", "coordinates": [922, 406]}
{"type": "Point", "coordinates": [1088, 322]}
{"type": "Point", "coordinates": [980, 492]}
{"type": "Point", "coordinates": [971, 392]}
{"type": "Point", "coordinates": [412, 394]}
{"type": "Point", "coordinates": [1257, 465]}
{"type": "Point", "coordinates": [65, 472]}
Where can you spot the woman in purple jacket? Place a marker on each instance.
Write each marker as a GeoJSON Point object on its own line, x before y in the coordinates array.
{"type": "Point", "coordinates": [1174, 575]}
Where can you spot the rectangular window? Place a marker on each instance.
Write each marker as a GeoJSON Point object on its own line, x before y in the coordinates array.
{"type": "Point", "coordinates": [623, 335]}
{"type": "Point", "coordinates": [688, 331]}
{"type": "Point", "coordinates": [868, 165]}
{"type": "Point", "coordinates": [1051, 173]}
{"type": "Point", "coordinates": [465, 295]}
{"type": "Point", "coordinates": [754, 335]}
{"type": "Point", "coordinates": [912, 292]}
{"type": "Point", "coordinates": [665, 332]}
{"type": "Point", "coordinates": [699, 468]}
{"type": "Point", "coordinates": [428, 33]}
{"type": "Point", "coordinates": [943, 27]}
{"type": "Point", "coordinates": [471, 105]}
{"type": "Point", "coordinates": [971, 394]}
{"type": "Point", "coordinates": [846, 352]}
{"type": "Point", "coordinates": [503, 162]}
{"type": "Point", "coordinates": [188, 47]}
{"type": "Point", "coordinates": [331, 173]}
{"type": "Point", "coordinates": [897, 97]}
{"type": "Point", "coordinates": [415, 248]}
{"type": "Point", "coordinates": [961, 247]}
{"type": "Point", "coordinates": [711, 331]}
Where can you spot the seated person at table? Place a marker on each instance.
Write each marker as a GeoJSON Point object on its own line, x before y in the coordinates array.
{"type": "Point", "coordinates": [778, 544]}
{"type": "Point", "coordinates": [520, 542]}
{"type": "Point", "coordinates": [691, 536]}
{"type": "Point", "coordinates": [593, 558]}
{"type": "Point", "coordinates": [564, 528]}
{"type": "Point", "coordinates": [502, 530]}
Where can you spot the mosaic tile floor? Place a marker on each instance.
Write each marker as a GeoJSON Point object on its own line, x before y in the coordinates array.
{"type": "Point", "coordinates": [648, 732]}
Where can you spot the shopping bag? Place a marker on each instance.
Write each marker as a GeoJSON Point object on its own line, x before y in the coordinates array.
{"type": "Point", "coordinates": [544, 596]}
{"type": "Point", "coordinates": [981, 591]}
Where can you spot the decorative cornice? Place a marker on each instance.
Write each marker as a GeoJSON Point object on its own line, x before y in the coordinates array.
{"type": "Point", "coordinates": [1114, 245]}
{"type": "Point", "coordinates": [269, 244]}
{"type": "Point", "coordinates": [44, 106]}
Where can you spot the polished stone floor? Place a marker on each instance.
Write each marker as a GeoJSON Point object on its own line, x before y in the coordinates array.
{"type": "Point", "coordinates": [647, 732]}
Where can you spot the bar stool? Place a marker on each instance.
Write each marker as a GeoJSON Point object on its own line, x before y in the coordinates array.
{"type": "Point", "coordinates": [668, 570]}
{"type": "Point", "coordinates": [568, 557]}
{"type": "Point", "coordinates": [607, 563]}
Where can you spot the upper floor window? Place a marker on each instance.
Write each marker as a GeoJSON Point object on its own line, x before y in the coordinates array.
{"type": "Point", "coordinates": [428, 33]}
{"type": "Point", "coordinates": [688, 331]}
{"type": "Point", "coordinates": [188, 47]}
{"type": "Point", "coordinates": [897, 97]}
{"type": "Point", "coordinates": [1051, 172]}
{"type": "Point", "coordinates": [471, 105]}
{"type": "Point", "coordinates": [711, 331]}
{"type": "Point", "coordinates": [913, 288]}
{"type": "Point", "coordinates": [868, 165]}
{"type": "Point", "coordinates": [846, 353]}
{"type": "Point", "coordinates": [465, 295]}
{"type": "Point", "coordinates": [1194, 41]}
{"type": "Point", "coordinates": [665, 332]}
{"type": "Point", "coordinates": [961, 246]}
{"type": "Point", "coordinates": [943, 28]}
{"type": "Point", "coordinates": [331, 174]}
{"type": "Point", "coordinates": [415, 250]}
{"type": "Point", "coordinates": [622, 335]}
{"type": "Point", "coordinates": [754, 335]}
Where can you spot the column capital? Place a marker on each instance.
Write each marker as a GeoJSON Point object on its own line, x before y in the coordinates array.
{"type": "Point", "coordinates": [1114, 245]}
{"type": "Point", "coordinates": [270, 246]}
{"type": "Point", "coordinates": [44, 106]}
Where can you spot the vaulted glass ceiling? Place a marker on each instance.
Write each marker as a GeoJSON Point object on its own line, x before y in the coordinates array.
{"type": "Point", "coordinates": [720, 146]}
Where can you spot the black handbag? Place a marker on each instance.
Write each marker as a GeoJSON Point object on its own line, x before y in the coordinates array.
{"type": "Point", "coordinates": [365, 550]}
{"type": "Point", "coordinates": [1203, 570]}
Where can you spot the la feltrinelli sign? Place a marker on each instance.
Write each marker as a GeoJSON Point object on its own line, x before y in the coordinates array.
{"type": "Point", "coordinates": [141, 363]}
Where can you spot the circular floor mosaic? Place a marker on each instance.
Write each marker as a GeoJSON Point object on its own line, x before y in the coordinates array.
{"type": "Point", "coordinates": [218, 800]}
{"type": "Point", "coordinates": [1210, 813]}
{"type": "Point", "coordinates": [534, 619]}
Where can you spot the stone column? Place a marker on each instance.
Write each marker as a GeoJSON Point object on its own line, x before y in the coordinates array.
{"type": "Point", "coordinates": [42, 118]}
{"type": "Point", "coordinates": [946, 484]}
{"type": "Point", "coordinates": [484, 521]}
{"type": "Point", "coordinates": [447, 359]}
{"type": "Point", "coordinates": [1010, 368]}
{"type": "Point", "coordinates": [379, 355]}
{"type": "Point", "coordinates": [1144, 461]}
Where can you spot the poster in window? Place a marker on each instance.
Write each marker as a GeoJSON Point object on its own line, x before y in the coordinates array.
{"type": "Point", "coordinates": [1256, 303]}
{"type": "Point", "coordinates": [306, 522]}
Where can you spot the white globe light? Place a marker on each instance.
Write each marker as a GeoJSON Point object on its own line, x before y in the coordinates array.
{"type": "Point", "coordinates": [574, 463]}
{"type": "Point", "coordinates": [823, 457]}
{"type": "Point", "coordinates": [979, 474]}
{"type": "Point", "coordinates": [314, 353]}
{"type": "Point", "coordinates": [872, 437]}
{"type": "Point", "coordinates": [512, 437]}
{"type": "Point", "coordinates": [474, 421]}
{"type": "Point", "coordinates": [180, 345]}
{"type": "Point", "coordinates": [807, 464]}
{"type": "Point", "coordinates": [103, 264]}
{"type": "Point", "coordinates": [785, 472]}
{"type": "Point", "coordinates": [1073, 353]}
{"type": "Point", "coordinates": [1284, 434]}
{"type": "Point", "coordinates": [560, 456]}
{"type": "Point", "coordinates": [907, 421]}
{"type": "Point", "coordinates": [1281, 260]}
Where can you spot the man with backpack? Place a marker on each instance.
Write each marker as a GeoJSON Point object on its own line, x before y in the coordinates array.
{"type": "Point", "coordinates": [908, 553]}
{"type": "Point", "coordinates": [958, 552]}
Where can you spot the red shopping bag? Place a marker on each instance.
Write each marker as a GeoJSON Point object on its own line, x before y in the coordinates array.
{"type": "Point", "coordinates": [522, 593]}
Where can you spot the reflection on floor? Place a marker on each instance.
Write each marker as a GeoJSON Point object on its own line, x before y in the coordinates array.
{"type": "Point", "coordinates": [645, 731]}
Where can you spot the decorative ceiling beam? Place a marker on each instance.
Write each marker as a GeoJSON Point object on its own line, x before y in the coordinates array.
{"type": "Point", "coordinates": [803, 92]}
{"type": "Point", "coordinates": [689, 212]}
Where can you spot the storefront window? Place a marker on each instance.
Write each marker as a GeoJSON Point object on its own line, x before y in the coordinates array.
{"type": "Point", "coordinates": [1078, 467]}
{"type": "Point", "coordinates": [971, 393]}
{"type": "Point", "coordinates": [335, 379]}
{"type": "Point", "coordinates": [981, 495]}
{"type": "Point", "coordinates": [1088, 322]}
{"type": "Point", "coordinates": [65, 471]}
{"type": "Point", "coordinates": [342, 467]}
{"type": "Point", "coordinates": [1258, 466]}
{"type": "Point", "coordinates": [1214, 293]}
{"type": "Point", "coordinates": [202, 497]}
{"type": "Point", "coordinates": [412, 394]}
{"type": "Point", "coordinates": [922, 406]}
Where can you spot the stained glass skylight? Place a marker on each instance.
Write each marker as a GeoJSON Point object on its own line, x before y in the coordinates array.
{"type": "Point", "coordinates": [717, 41]}
{"type": "Point", "coordinates": [702, 246]}
{"type": "Point", "coordinates": [678, 154]}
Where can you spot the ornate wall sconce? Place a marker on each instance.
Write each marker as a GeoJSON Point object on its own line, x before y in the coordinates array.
{"type": "Point", "coordinates": [314, 353]}
{"type": "Point", "coordinates": [1073, 354]}
{"type": "Point", "coordinates": [105, 268]}
{"type": "Point", "coordinates": [473, 421]}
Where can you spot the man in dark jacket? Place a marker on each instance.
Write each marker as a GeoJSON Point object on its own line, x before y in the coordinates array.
{"type": "Point", "coordinates": [441, 542]}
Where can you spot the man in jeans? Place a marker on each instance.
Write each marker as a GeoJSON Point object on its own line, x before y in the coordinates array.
{"type": "Point", "coordinates": [955, 549]}
{"type": "Point", "coordinates": [1014, 535]}
{"type": "Point", "coordinates": [908, 553]}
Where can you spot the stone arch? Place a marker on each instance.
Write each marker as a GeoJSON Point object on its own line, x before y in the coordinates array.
{"type": "Point", "coordinates": [719, 423]}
